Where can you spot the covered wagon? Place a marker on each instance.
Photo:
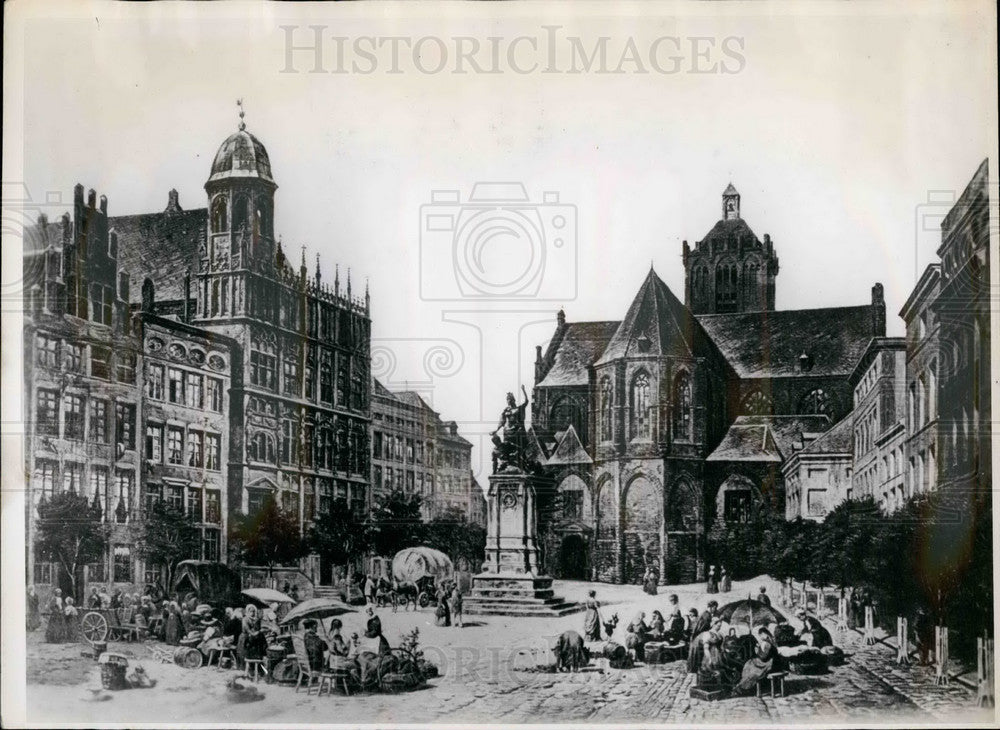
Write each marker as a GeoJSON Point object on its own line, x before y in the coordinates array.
{"type": "Point", "coordinates": [421, 569]}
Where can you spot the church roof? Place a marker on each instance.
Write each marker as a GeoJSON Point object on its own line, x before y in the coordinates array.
{"type": "Point", "coordinates": [768, 344]}
{"type": "Point", "coordinates": [730, 190]}
{"type": "Point", "coordinates": [765, 438]}
{"type": "Point", "coordinates": [729, 233]}
{"type": "Point", "coordinates": [569, 450]}
{"type": "Point", "coordinates": [656, 324]}
{"type": "Point", "coordinates": [243, 156]}
{"type": "Point", "coordinates": [160, 246]}
{"type": "Point", "coordinates": [581, 344]}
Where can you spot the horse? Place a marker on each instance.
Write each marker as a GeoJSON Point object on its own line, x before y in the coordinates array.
{"type": "Point", "coordinates": [406, 594]}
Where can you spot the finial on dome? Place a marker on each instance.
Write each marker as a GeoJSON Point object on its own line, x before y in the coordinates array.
{"type": "Point", "coordinates": [239, 103]}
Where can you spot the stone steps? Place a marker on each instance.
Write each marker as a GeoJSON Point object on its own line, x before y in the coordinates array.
{"type": "Point", "coordinates": [500, 607]}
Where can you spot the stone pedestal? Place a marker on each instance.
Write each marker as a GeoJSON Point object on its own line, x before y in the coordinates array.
{"type": "Point", "coordinates": [511, 583]}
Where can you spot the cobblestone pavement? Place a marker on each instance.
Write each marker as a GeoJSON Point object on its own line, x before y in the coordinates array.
{"type": "Point", "coordinates": [486, 679]}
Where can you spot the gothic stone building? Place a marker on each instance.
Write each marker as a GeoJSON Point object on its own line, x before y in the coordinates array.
{"type": "Point", "coordinates": [680, 415]}
{"type": "Point", "coordinates": [229, 375]}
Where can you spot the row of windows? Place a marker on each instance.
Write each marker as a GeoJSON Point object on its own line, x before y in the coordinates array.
{"type": "Point", "coordinates": [405, 479]}
{"type": "Point", "coordinates": [343, 385]}
{"type": "Point", "coordinates": [396, 448]}
{"type": "Point", "coordinates": [77, 412]}
{"type": "Point", "coordinates": [186, 447]}
{"type": "Point", "coordinates": [640, 418]}
{"type": "Point", "coordinates": [318, 498]}
{"type": "Point", "coordinates": [922, 398]}
{"type": "Point", "coordinates": [202, 505]}
{"type": "Point", "coordinates": [306, 446]}
{"type": "Point", "coordinates": [94, 483]}
{"type": "Point", "coordinates": [184, 387]}
{"type": "Point", "coordinates": [95, 360]}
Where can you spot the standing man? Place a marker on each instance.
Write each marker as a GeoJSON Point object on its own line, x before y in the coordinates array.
{"type": "Point", "coordinates": [316, 648]}
{"type": "Point", "coordinates": [456, 606]}
{"type": "Point", "coordinates": [369, 590]}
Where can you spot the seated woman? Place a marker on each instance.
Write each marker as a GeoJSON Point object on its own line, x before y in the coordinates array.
{"type": "Point", "coordinates": [638, 634]}
{"type": "Point", "coordinates": [812, 632]}
{"type": "Point", "coordinates": [677, 631]}
{"type": "Point", "coordinates": [765, 660]}
{"type": "Point", "coordinates": [657, 627]}
{"type": "Point", "coordinates": [710, 668]}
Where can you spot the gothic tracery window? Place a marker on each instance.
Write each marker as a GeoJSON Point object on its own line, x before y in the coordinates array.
{"type": "Point", "coordinates": [607, 421]}
{"type": "Point", "coordinates": [220, 219]}
{"type": "Point", "coordinates": [683, 408]}
{"type": "Point", "coordinates": [757, 404]}
{"type": "Point", "coordinates": [815, 402]}
{"type": "Point", "coordinates": [639, 398]}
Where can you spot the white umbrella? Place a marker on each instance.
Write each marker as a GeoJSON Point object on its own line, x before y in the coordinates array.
{"type": "Point", "coordinates": [267, 595]}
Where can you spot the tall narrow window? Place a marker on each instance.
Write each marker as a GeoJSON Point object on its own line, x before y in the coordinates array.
{"type": "Point", "coordinates": [683, 408]}
{"type": "Point", "coordinates": [606, 410]}
{"type": "Point", "coordinates": [639, 398]}
{"type": "Point", "coordinates": [220, 217]}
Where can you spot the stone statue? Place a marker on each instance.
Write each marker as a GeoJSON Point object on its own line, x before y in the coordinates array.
{"type": "Point", "coordinates": [511, 451]}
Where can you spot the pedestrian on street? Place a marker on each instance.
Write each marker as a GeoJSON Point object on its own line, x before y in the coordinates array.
{"type": "Point", "coordinates": [71, 629]}
{"type": "Point", "coordinates": [592, 619]}
{"type": "Point", "coordinates": [369, 590]}
{"type": "Point", "coordinates": [34, 618]}
{"type": "Point", "coordinates": [456, 606]}
{"type": "Point", "coordinates": [763, 597]}
{"type": "Point", "coordinates": [55, 629]}
{"type": "Point", "coordinates": [713, 582]}
{"type": "Point", "coordinates": [726, 584]}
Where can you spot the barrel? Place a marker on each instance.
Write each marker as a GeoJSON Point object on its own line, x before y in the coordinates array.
{"type": "Point", "coordinates": [187, 657]}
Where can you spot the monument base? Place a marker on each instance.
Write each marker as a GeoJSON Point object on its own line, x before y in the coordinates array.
{"type": "Point", "coordinates": [515, 594]}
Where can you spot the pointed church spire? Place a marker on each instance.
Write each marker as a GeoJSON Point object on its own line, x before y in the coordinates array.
{"type": "Point", "coordinates": [318, 278]}
{"type": "Point", "coordinates": [348, 282]}
{"type": "Point", "coordinates": [336, 279]}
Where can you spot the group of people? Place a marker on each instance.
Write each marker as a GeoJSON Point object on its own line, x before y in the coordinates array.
{"type": "Point", "coordinates": [449, 604]}
{"type": "Point", "coordinates": [718, 583]}
{"type": "Point", "coordinates": [63, 623]}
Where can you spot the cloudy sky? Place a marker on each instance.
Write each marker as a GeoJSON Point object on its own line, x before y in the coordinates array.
{"type": "Point", "coordinates": [844, 127]}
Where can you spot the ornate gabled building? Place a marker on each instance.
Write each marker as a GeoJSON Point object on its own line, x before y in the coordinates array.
{"type": "Point", "coordinates": [681, 415]}
{"type": "Point", "coordinates": [181, 356]}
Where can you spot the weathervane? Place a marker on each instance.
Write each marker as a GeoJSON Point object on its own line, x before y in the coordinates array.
{"type": "Point", "coordinates": [239, 103]}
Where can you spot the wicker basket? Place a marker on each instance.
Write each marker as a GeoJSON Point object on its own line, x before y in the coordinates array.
{"type": "Point", "coordinates": [113, 676]}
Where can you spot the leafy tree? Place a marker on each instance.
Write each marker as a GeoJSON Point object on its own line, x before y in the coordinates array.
{"type": "Point", "coordinates": [396, 523]}
{"type": "Point", "coordinates": [270, 537]}
{"type": "Point", "coordinates": [453, 534]}
{"type": "Point", "coordinates": [167, 537]}
{"type": "Point", "coordinates": [70, 533]}
{"type": "Point", "coordinates": [337, 536]}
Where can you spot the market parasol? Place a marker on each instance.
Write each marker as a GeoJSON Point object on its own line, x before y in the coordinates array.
{"type": "Point", "coordinates": [750, 612]}
{"type": "Point", "coordinates": [318, 608]}
{"type": "Point", "coordinates": [267, 595]}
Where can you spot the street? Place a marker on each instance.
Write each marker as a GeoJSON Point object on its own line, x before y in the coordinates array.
{"type": "Point", "coordinates": [488, 675]}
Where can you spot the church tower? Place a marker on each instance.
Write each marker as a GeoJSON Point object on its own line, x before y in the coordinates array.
{"type": "Point", "coordinates": [730, 270]}
{"type": "Point", "coordinates": [240, 235]}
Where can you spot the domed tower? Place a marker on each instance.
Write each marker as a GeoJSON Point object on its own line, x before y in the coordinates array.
{"type": "Point", "coordinates": [240, 235]}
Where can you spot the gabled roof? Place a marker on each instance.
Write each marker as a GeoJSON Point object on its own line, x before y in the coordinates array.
{"type": "Point", "coordinates": [656, 324]}
{"type": "Point", "coordinates": [838, 440]}
{"type": "Point", "coordinates": [768, 344]}
{"type": "Point", "coordinates": [730, 190]}
{"type": "Point", "coordinates": [581, 344]}
{"type": "Point", "coordinates": [569, 450]}
{"type": "Point", "coordinates": [161, 246]}
{"type": "Point", "coordinates": [765, 438]}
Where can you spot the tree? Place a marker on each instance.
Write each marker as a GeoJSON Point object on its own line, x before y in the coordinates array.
{"type": "Point", "coordinates": [70, 533]}
{"type": "Point", "coordinates": [454, 535]}
{"type": "Point", "coordinates": [337, 536]}
{"type": "Point", "coordinates": [396, 523]}
{"type": "Point", "coordinates": [270, 537]}
{"type": "Point", "coordinates": [167, 537]}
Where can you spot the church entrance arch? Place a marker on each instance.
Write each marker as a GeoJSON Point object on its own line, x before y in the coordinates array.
{"type": "Point", "coordinates": [573, 562]}
{"type": "Point", "coordinates": [642, 528]}
{"type": "Point", "coordinates": [684, 534]}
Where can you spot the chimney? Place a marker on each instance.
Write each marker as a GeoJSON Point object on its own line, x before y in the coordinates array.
{"type": "Point", "coordinates": [173, 202]}
{"type": "Point", "coordinates": [878, 310]}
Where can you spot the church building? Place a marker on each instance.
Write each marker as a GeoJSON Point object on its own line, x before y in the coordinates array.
{"type": "Point", "coordinates": [680, 415]}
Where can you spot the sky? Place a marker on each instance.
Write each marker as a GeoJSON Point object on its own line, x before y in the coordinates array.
{"type": "Point", "coordinates": [847, 129]}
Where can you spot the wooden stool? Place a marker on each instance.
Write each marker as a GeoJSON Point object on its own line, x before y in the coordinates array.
{"type": "Point", "coordinates": [255, 668]}
{"type": "Point", "coordinates": [219, 653]}
{"type": "Point", "coordinates": [777, 683]}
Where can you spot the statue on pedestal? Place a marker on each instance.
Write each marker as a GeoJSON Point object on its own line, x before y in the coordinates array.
{"type": "Point", "coordinates": [510, 454]}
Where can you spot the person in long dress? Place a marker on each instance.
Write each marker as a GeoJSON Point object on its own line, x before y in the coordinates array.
{"type": "Point", "coordinates": [173, 628]}
{"type": "Point", "coordinates": [33, 616]}
{"type": "Point", "coordinates": [710, 664]}
{"type": "Point", "coordinates": [592, 618]}
{"type": "Point", "coordinates": [650, 580]}
{"type": "Point", "coordinates": [765, 660]}
{"type": "Point", "coordinates": [713, 581]}
{"type": "Point", "coordinates": [55, 629]}
{"type": "Point", "coordinates": [443, 613]}
{"type": "Point", "coordinates": [726, 583]}
{"type": "Point", "coordinates": [696, 652]}
{"type": "Point", "coordinates": [72, 614]}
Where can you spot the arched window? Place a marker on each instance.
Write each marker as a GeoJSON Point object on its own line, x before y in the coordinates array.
{"type": "Point", "coordinates": [241, 213]}
{"type": "Point", "coordinates": [751, 287]}
{"type": "Point", "coordinates": [639, 405]}
{"type": "Point", "coordinates": [220, 217]}
{"type": "Point", "coordinates": [606, 410]}
{"type": "Point", "coordinates": [815, 402]}
{"type": "Point", "coordinates": [726, 276]}
{"type": "Point", "coordinates": [565, 413]}
{"type": "Point", "coordinates": [757, 404]}
{"type": "Point", "coordinates": [683, 408]}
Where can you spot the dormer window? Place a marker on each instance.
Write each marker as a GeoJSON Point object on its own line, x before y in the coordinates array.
{"type": "Point", "coordinates": [643, 343]}
{"type": "Point", "coordinates": [805, 362]}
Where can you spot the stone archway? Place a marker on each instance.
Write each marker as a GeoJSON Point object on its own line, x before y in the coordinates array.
{"type": "Point", "coordinates": [574, 563]}
{"type": "Point", "coordinates": [642, 528]}
{"type": "Point", "coordinates": [684, 531]}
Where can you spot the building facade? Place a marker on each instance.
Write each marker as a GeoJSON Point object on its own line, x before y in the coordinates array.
{"type": "Point", "coordinates": [680, 416]}
{"type": "Point", "coordinates": [180, 356]}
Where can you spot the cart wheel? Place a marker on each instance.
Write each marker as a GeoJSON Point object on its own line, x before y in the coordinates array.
{"type": "Point", "coordinates": [193, 659]}
{"type": "Point", "coordinates": [425, 600]}
{"type": "Point", "coordinates": [94, 627]}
